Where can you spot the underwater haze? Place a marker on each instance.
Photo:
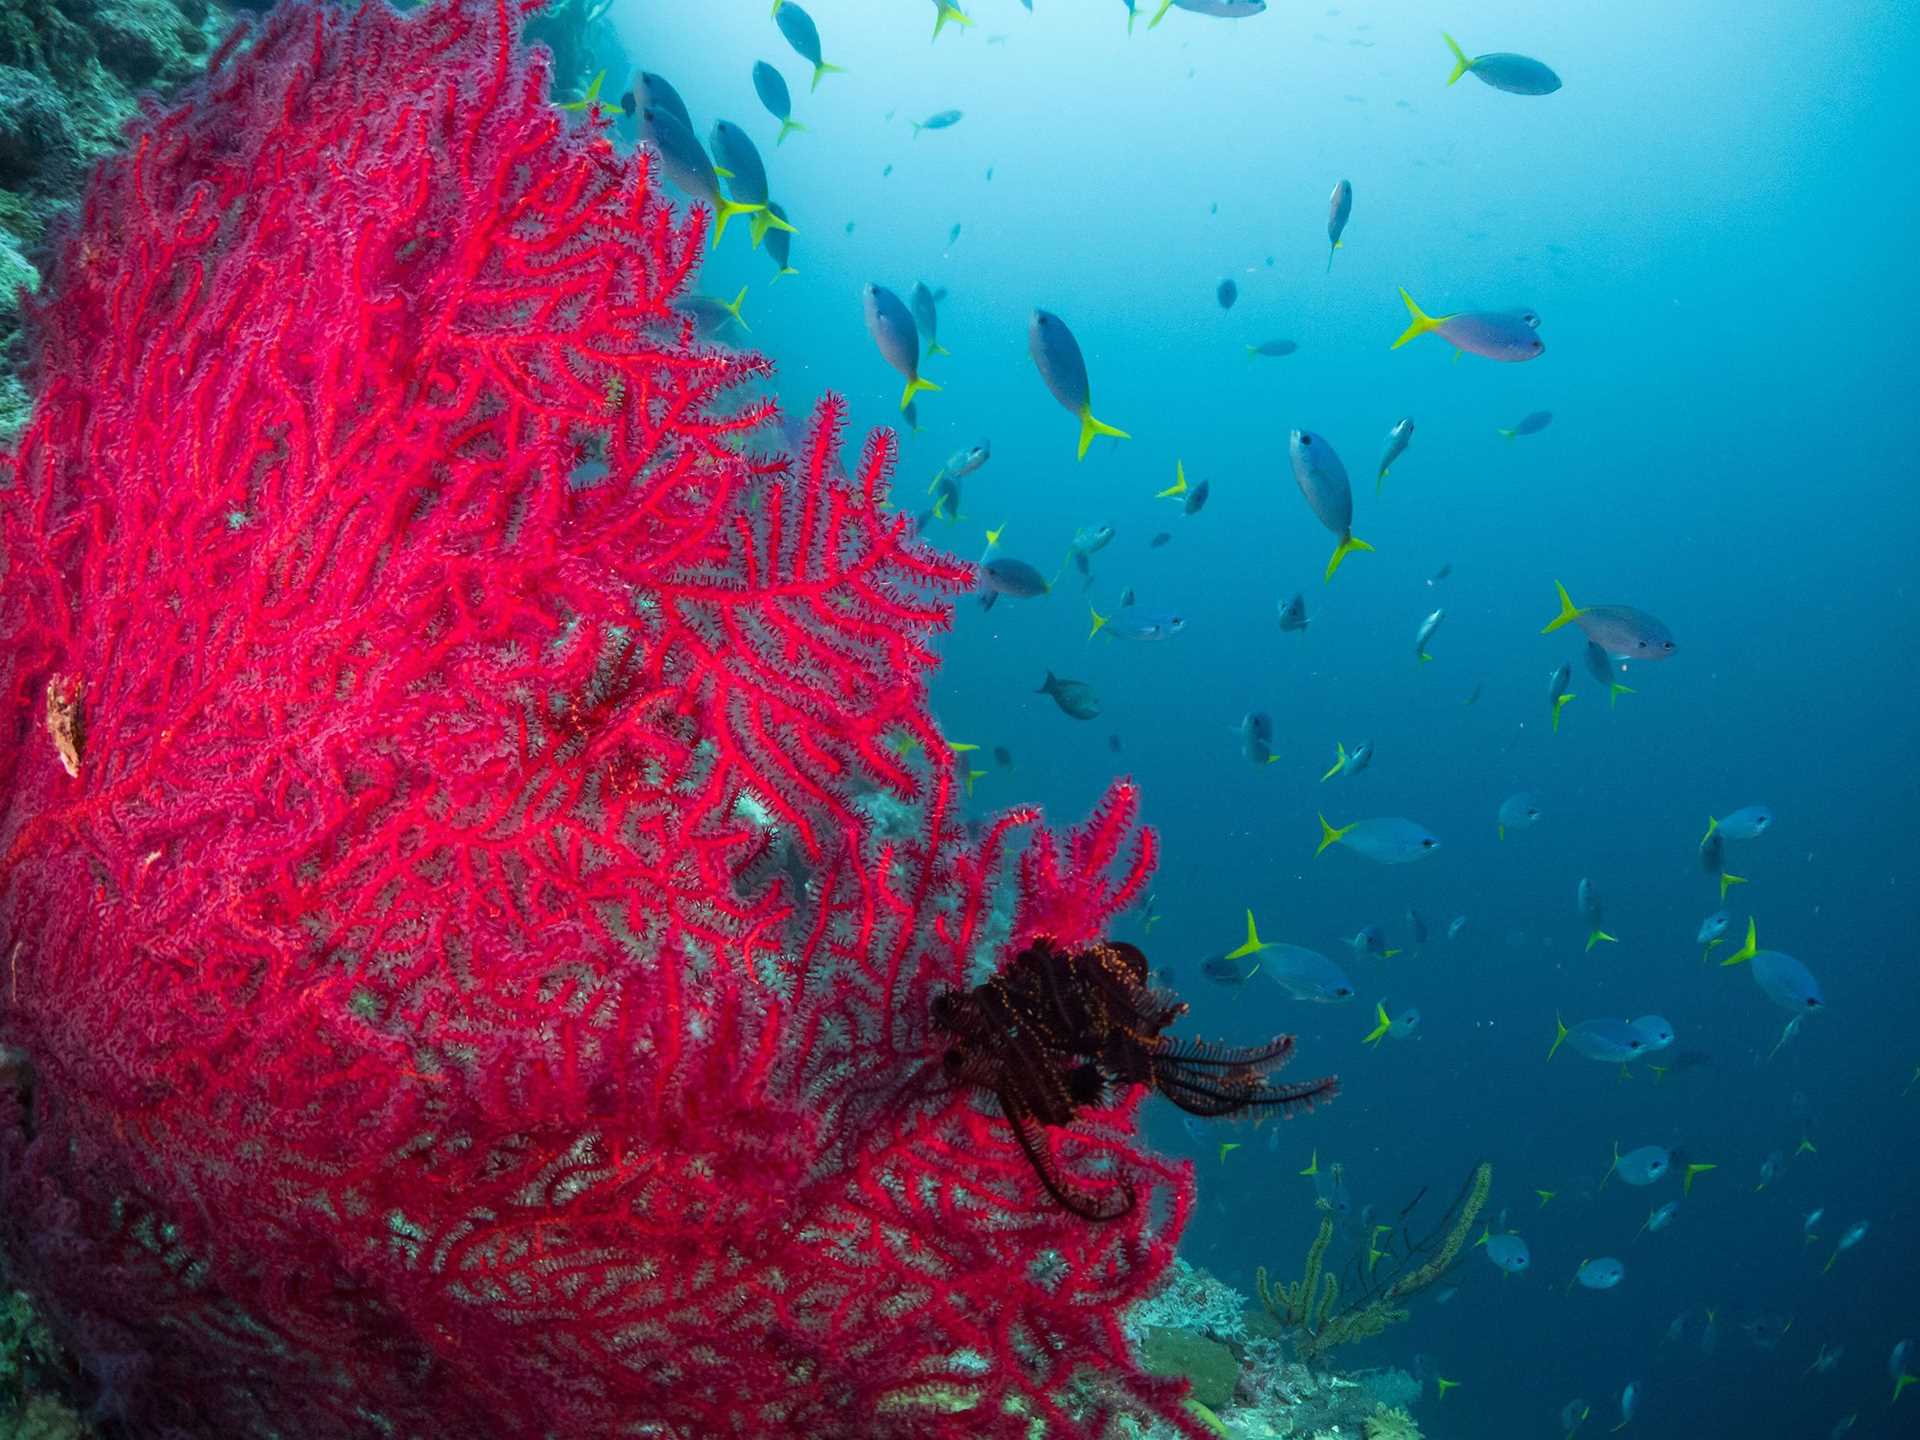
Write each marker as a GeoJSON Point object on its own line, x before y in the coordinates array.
{"type": "Point", "coordinates": [1704, 220]}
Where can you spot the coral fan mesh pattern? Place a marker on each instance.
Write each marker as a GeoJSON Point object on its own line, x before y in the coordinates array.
{"type": "Point", "coordinates": [463, 990]}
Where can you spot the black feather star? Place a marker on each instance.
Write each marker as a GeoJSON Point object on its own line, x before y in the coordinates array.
{"type": "Point", "coordinates": [1055, 1030]}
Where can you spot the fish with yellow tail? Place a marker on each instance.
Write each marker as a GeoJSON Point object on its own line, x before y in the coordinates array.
{"type": "Point", "coordinates": [1557, 693]}
{"type": "Point", "coordinates": [945, 11]}
{"type": "Point", "coordinates": [1056, 355]}
{"type": "Point", "coordinates": [1383, 1024]}
{"type": "Point", "coordinates": [1323, 483]}
{"type": "Point", "coordinates": [1515, 74]}
{"type": "Point", "coordinates": [686, 164]}
{"type": "Point", "coordinates": [1619, 630]}
{"type": "Point", "coordinates": [1508, 336]}
{"type": "Point", "coordinates": [804, 37]}
{"type": "Point", "coordinates": [896, 336]}
{"type": "Point", "coordinates": [1389, 840]}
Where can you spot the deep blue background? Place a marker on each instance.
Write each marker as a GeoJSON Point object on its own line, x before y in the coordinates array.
{"type": "Point", "coordinates": [1713, 219]}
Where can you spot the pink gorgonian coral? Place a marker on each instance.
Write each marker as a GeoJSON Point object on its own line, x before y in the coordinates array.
{"type": "Point", "coordinates": [454, 983]}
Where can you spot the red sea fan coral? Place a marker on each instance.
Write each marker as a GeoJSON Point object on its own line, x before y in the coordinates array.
{"type": "Point", "coordinates": [454, 981]}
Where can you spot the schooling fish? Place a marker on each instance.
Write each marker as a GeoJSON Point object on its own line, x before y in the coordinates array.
{"type": "Point", "coordinates": [1339, 208]}
{"type": "Point", "coordinates": [1256, 737]}
{"type": "Point", "coordinates": [1015, 579]}
{"type": "Point", "coordinates": [1515, 74]}
{"type": "Point", "coordinates": [804, 37]}
{"type": "Point", "coordinates": [1508, 1252]}
{"type": "Point", "coordinates": [963, 463]}
{"type": "Point", "coordinates": [711, 316]}
{"type": "Point", "coordinates": [1075, 698]}
{"type": "Point", "coordinates": [1307, 974]}
{"type": "Point", "coordinates": [1713, 930]}
{"type": "Point", "coordinates": [1127, 623]}
{"type": "Point", "coordinates": [1600, 667]}
{"type": "Point", "coordinates": [1505, 335]}
{"type": "Point", "coordinates": [1389, 840]}
{"type": "Point", "coordinates": [1226, 293]}
{"type": "Point", "coordinates": [1531, 424]}
{"type": "Point", "coordinates": [1601, 1274]}
{"type": "Point", "coordinates": [655, 92]}
{"type": "Point", "coordinates": [1642, 1166]}
{"type": "Point", "coordinates": [1087, 541]}
{"type": "Point", "coordinates": [780, 250]}
{"type": "Point", "coordinates": [1747, 823]}
{"type": "Point", "coordinates": [1455, 926]}
{"type": "Point", "coordinates": [1558, 694]}
{"type": "Point", "coordinates": [945, 10]}
{"type": "Point", "coordinates": [1399, 1024]}
{"type": "Point", "coordinates": [1658, 1219]}
{"type": "Point", "coordinates": [1589, 900]}
{"type": "Point", "coordinates": [1517, 812]}
{"type": "Point", "coordinates": [891, 325]}
{"type": "Point", "coordinates": [1713, 859]}
{"type": "Point", "coordinates": [1781, 978]}
{"type": "Point", "coordinates": [735, 152]}
{"type": "Point", "coordinates": [1427, 627]}
{"type": "Point", "coordinates": [1218, 9]}
{"type": "Point", "coordinates": [1293, 614]}
{"type": "Point", "coordinates": [941, 120]}
{"type": "Point", "coordinates": [1397, 439]}
{"type": "Point", "coordinates": [1273, 349]}
{"type": "Point", "coordinates": [687, 165]}
{"type": "Point", "coordinates": [1056, 354]}
{"type": "Point", "coordinates": [1609, 1041]}
{"type": "Point", "coordinates": [1323, 481]}
{"type": "Point", "coordinates": [1372, 940]}
{"type": "Point", "coordinates": [1345, 764]}
{"type": "Point", "coordinates": [1417, 923]}
{"type": "Point", "coordinates": [771, 86]}
{"type": "Point", "coordinates": [1617, 629]}
{"type": "Point", "coordinates": [926, 314]}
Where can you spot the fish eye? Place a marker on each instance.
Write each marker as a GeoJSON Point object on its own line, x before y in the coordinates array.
{"type": "Point", "coordinates": [1305, 438]}
{"type": "Point", "coordinates": [1428, 843]}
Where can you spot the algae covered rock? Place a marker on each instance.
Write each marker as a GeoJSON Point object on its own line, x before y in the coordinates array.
{"type": "Point", "coordinates": [1210, 1365]}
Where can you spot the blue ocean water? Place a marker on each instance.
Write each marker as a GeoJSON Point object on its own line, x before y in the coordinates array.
{"type": "Point", "coordinates": [1710, 219]}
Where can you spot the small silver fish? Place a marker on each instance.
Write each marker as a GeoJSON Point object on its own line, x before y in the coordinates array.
{"type": "Point", "coordinates": [1293, 613]}
{"type": "Point", "coordinates": [944, 119]}
{"type": "Point", "coordinates": [1397, 439]}
{"type": "Point", "coordinates": [1427, 627]}
{"type": "Point", "coordinates": [1339, 208]}
{"type": "Point", "coordinates": [1531, 424]}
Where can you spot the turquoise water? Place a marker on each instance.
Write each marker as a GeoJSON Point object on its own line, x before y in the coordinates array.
{"type": "Point", "coordinates": [1706, 218]}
